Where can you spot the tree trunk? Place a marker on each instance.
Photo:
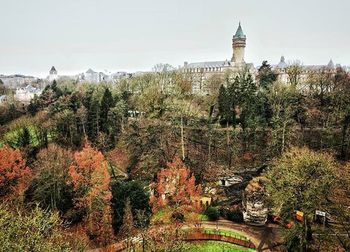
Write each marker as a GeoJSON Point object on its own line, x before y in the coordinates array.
{"type": "Point", "coordinates": [283, 137]}
{"type": "Point", "coordinates": [228, 145]}
{"type": "Point", "coordinates": [209, 147]}
{"type": "Point", "coordinates": [344, 136]}
{"type": "Point", "coordinates": [182, 139]}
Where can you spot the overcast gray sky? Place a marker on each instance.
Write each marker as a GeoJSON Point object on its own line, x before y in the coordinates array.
{"type": "Point", "coordinates": [74, 35]}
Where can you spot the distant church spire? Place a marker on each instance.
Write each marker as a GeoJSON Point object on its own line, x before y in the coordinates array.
{"type": "Point", "coordinates": [53, 70]}
{"type": "Point", "coordinates": [330, 64]}
{"type": "Point", "coordinates": [238, 45]}
{"type": "Point", "coordinates": [53, 74]}
{"type": "Point", "coordinates": [239, 32]}
{"type": "Point", "coordinates": [282, 64]}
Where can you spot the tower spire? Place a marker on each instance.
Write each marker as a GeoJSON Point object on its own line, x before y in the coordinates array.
{"type": "Point", "coordinates": [239, 32]}
{"type": "Point", "coordinates": [238, 45]}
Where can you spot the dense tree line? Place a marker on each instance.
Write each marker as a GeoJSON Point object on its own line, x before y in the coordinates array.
{"type": "Point", "coordinates": [90, 152]}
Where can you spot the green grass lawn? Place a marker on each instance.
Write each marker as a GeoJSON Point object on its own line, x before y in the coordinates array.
{"type": "Point", "coordinates": [164, 216]}
{"type": "Point", "coordinates": [225, 233]}
{"type": "Point", "coordinates": [216, 246]}
{"type": "Point", "coordinates": [203, 217]}
{"type": "Point", "coordinates": [11, 137]}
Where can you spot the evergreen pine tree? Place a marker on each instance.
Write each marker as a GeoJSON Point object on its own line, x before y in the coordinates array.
{"type": "Point", "coordinates": [24, 137]}
{"type": "Point", "coordinates": [93, 120]}
{"type": "Point", "coordinates": [127, 227]}
{"type": "Point", "coordinates": [106, 104]}
{"type": "Point", "coordinates": [226, 107]}
{"type": "Point", "coordinates": [266, 76]}
{"type": "Point", "coordinates": [54, 87]}
{"type": "Point", "coordinates": [33, 107]}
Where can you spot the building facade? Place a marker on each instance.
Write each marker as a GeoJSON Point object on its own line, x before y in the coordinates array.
{"type": "Point", "coordinates": [16, 80]}
{"type": "Point", "coordinates": [203, 70]}
{"type": "Point", "coordinates": [27, 93]}
{"type": "Point", "coordinates": [284, 70]}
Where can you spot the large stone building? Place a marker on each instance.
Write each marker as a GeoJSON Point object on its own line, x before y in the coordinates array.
{"type": "Point", "coordinates": [305, 70]}
{"type": "Point", "coordinates": [203, 70]}
{"type": "Point", "coordinates": [16, 80]}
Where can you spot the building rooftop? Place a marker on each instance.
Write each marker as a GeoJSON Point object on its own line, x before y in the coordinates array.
{"type": "Point", "coordinates": [282, 64]}
{"type": "Point", "coordinates": [239, 32]}
{"type": "Point", "coordinates": [330, 64]}
{"type": "Point", "coordinates": [90, 71]}
{"type": "Point", "coordinates": [208, 64]}
{"type": "Point", "coordinates": [53, 70]}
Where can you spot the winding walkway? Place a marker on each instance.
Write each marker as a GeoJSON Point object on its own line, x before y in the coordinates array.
{"type": "Point", "coordinates": [265, 238]}
{"type": "Point", "coordinates": [202, 235]}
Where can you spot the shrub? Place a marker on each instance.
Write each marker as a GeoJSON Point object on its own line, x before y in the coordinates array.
{"type": "Point", "coordinates": [235, 216]}
{"type": "Point", "coordinates": [139, 200]}
{"type": "Point", "coordinates": [232, 215]}
{"type": "Point", "coordinates": [37, 230]}
{"type": "Point", "coordinates": [177, 216]}
{"type": "Point", "coordinates": [212, 213]}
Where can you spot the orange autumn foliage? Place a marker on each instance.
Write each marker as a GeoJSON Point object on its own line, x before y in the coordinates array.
{"type": "Point", "coordinates": [90, 179]}
{"type": "Point", "coordinates": [14, 174]}
{"type": "Point", "coordinates": [176, 187]}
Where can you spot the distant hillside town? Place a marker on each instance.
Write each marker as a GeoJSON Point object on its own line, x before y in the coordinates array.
{"type": "Point", "coordinates": [88, 76]}
{"type": "Point", "coordinates": [26, 87]}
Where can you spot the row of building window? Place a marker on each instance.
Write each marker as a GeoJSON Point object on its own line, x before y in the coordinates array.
{"type": "Point", "coordinates": [204, 69]}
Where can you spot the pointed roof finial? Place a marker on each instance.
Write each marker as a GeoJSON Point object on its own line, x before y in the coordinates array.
{"type": "Point", "coordinates": [282, 64]}
{"type": "Point", "coordinates": [239, 32]}
{"type": "Point", "coordinates": [53, 70]}
{"type": "Point", "coordinates": [330, 64]}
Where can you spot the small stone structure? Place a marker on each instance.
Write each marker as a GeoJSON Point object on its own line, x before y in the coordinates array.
{"type": "Point", "coordinates": [255, 209]}
{"type": "Point", "coordinates": [230, 180]}
{"type": "Point", "coordinates": [205, 201]}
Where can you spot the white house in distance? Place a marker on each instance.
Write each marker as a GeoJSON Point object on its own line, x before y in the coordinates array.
{"type": "Point", "coordinates": [92, 76]}
{"type": "Point", "coordinates": [88, 76]}
{"type": "Point", "coordinates": [27, 93]}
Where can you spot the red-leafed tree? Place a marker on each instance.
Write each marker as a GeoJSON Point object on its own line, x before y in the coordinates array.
{"type": "Point", "coordinates": [90, 179]}
{"type": "Point", "coordinates": [176, 187]}
{"type": "Point", "coordinates": [14, 174]}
